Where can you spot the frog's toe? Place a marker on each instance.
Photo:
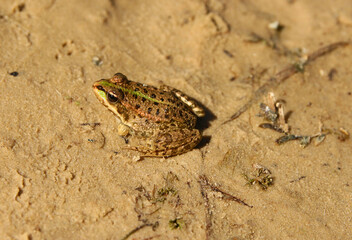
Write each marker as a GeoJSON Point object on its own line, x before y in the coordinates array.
{"type": "Point", "coordinates": [123, 130]}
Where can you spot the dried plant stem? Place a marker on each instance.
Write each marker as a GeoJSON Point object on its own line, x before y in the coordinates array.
{"type": "Point", "coordinates": [283, 75]}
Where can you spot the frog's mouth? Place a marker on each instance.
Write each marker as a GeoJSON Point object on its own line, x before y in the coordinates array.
{"type": "Point", "coordinates": [100, 93]}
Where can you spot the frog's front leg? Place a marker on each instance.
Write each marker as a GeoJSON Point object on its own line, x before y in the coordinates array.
{"type": "Point", "coordinates": [171, 143]}
{"type": "Point", "coordinates": [123, 130]}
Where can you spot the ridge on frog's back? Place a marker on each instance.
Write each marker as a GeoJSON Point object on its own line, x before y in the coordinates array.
{"type": "Point", "coordinates": [162, 118]}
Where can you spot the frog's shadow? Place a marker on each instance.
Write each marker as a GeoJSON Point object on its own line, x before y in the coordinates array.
{"type": "Point", "coordinates": [203, 123]}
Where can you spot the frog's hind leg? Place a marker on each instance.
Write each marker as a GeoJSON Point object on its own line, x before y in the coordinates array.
{"type": "Point", "coordinates": [198, 110]}
{"type": "Point", "coordinates": [170, 144]}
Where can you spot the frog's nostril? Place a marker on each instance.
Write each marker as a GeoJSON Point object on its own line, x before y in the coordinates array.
{"type": "Point", "coordinates": [100, 88]}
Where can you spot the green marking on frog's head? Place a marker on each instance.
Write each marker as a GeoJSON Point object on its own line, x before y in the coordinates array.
{"type": "Point", "coordinates": [107, 83]}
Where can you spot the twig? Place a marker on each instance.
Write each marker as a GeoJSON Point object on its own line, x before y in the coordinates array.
{"type": "Point", "coordinates": [205, 182]}
{"type": "Point", "coordinates": [283, 75]}
{"type": "Point", "coordinates": [153, 225]}
{"type": "Point", "coordinates": [298, 179]}
{"type": "Point", "coordinates": [208, 216]}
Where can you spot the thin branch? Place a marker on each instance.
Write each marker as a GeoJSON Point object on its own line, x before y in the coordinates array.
{"type": "Point", "coordinates": [281, 76]}
{"type": "Point", "coordinates": [153, 225]}
{"type": "Point", "coordinates": [205, 182]}
{"type": "Point", "coordinates": [208, 215]}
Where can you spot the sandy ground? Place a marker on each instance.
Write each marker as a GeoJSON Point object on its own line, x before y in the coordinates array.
{"type": "Point", "coordinates": [63, 174]}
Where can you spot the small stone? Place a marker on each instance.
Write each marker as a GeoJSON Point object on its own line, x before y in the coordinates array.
{"type": "Point", "coordinates": [15, 74]}
{"type": "Point", "coordinates": [97, 61]}
{"type": "Point", "coordinates": [344, 20]}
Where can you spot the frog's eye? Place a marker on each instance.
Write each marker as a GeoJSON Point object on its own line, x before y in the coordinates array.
{"type": "Point", "coordinates": [112, 98]}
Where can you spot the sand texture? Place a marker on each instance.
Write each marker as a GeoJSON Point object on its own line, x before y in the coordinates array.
{"type": "Point", "coordinates": [64, 171]}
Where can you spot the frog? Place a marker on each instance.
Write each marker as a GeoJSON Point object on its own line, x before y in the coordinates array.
{"type": "Point", "coordinates": [162, 120]}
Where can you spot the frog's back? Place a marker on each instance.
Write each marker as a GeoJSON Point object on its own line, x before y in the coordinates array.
{"type": "Point", "coordinates": [160, 106]}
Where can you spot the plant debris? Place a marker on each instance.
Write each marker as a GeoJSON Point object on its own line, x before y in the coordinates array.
{"type": "Point", "coordinates": [148, 203]}
{"type": "Point", "coordinates": [228, 53]}
{"type": "Point", "coordinates": [153, 225]}
{"type": "Point", "coordinates": [332, 74]}
{"type": "Point", "coordinates": [342, 134]}
{"type": "Point", "coordinates": [94, 124]}
{"type": "Point", "coordinates": [282, 75]}
{"type": "Point", "coordinates": [255, 38]}
{"type": "Point", "coordinates": [277, 26]}
{"type": "Point", "coordinates": [298, 179]}
{"type": "Point", "coordinates": [273, 112]}
{"type": "Point", "coordinates": [176, 223]}
{"type": "Point", "coordinates": [261, 176]}
{"type": "Point", "coordinates": [205, 182]}
{"type": "Point", "coordinates": [163, 193]}
{"type": "Point", "coordinates": [160, 195]}
{"type": "Point", "coordinates": [14, 74]}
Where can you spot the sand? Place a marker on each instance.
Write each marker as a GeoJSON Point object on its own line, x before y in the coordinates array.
{"type": "Point", "coordinates": [65, 175]}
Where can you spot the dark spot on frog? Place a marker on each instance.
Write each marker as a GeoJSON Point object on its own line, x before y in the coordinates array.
{"type": "Point", "coordinates": [157, 111]}
{"type": "Point", "coordinates": [166, 116]}
{"type": "Point", "coordinates": [143, 99]}
{"type": "Point", "coordinates": [137, 106]}
{"type": "Point", "coordinates": [145, 90]}
{"type": "Point", "coordinates": [164, 138]}
{"type": "Point", "coordinates": [149, 110]}
{"type": "Point", "coordinates": [162, 99]}
{"type": "Point", "coordinates": [135, 96]}
{"type": "Point", "coordinates": [181, 114]}
{"type": "Point", "coordinates": [136, 90]}
{"type": "Point", "coordinates": [156, 103]}
{"type": "Point", "coordinates": [153, 95]}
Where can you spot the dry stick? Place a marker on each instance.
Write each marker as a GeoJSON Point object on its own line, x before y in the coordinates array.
{"type": "Point", "coordinates": [283, 75]}
{"type": "Point", "coordinates": [138, 228]}
{"type": "Point", "coordinates": [205, 182]}
{"type": "Point", "coordinates": [208, 215]}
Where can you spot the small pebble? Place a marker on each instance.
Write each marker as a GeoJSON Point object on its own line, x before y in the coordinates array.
{"type": "Point", "coordinates": [15, 74]}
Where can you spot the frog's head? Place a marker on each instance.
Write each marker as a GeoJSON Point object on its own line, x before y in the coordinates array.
{"type": "Point", "coordinates": [109, 92]}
